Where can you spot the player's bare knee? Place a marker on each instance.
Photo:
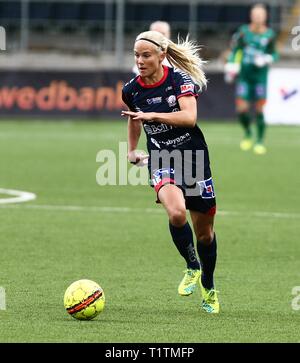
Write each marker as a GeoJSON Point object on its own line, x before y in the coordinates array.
{"type": "Point", "coordinates": [242, 109]}
{"type": "Point", "coordinates": [242, 106]}
{"type": "Point", "coordinates": [177, 217]}
{"type": "Point", "coordinates": [259, 108]}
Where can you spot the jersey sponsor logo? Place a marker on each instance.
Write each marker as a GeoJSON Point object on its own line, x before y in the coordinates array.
{"type": "Point", "coordinates": [180, 140]}
{"type": "Point", "coordinates": [154, 100]}
{"type": "Point", "coordinates": [168, 88]}
{"type": "Point", "coordinates": [155, 142]}
{"type": "Point", "coordinates": [206, 188]}
{"type": "Point", "coordinates": [187, 88]}
{"type": "Point", "coordinates": [264, 41]}
{"type": "Point", "coordinates": [171, 100]}
{"type": "Point", "coordinates": [156, 129]}
{"type": "Point", "coordinates": [160, 174]}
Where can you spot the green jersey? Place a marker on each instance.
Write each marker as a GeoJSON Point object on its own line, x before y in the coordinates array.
{"type": "Point", "coordinates": [247, 46]}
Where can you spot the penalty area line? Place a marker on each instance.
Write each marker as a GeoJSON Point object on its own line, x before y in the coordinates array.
{"type": "Point", "coordinates": [98, 209]}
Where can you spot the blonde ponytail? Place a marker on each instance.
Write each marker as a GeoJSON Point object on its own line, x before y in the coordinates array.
{"type": "Point", "coordinates": [185, 56]}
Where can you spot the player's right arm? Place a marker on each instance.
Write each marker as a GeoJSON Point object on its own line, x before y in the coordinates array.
{"type": "Point", "coordinates": [233, 64]}
{"type": "Point", "coordinates": [133, 132]}
{"type": "Point", "coordinates": [133, 135]}
{"type": "Point", "coordinates": [139, 158]}
{"type": "Point", "coordinates": [236, 46]}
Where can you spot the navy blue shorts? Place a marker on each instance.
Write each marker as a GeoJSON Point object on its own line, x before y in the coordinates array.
{"type": "Point", "coordinates": [200, 196]}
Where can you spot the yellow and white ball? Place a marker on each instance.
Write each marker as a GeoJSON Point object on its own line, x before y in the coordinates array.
{"type": "Point", "coordinates": [84, 299]}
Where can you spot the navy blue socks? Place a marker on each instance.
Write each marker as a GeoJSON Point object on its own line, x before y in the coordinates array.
{"type": "Point", "coordinates": [208, 258]}
{"type": "Point", "coordinates": [183, 239]}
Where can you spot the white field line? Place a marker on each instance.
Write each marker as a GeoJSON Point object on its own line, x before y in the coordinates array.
{"type": "Point", "coordinates": [159, 210]}
{"type": "Point", "coordinates": [18, 196]}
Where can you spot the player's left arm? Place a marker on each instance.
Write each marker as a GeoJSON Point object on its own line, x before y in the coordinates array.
{"type": "Point", "coordinates": [270, 54]}
{"type": "Point", "coordinates": [186, 117]}
{"type": "Point", "coordinates": [272, 49]}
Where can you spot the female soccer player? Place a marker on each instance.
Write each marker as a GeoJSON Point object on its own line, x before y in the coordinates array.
{"type": "Point", "coordinates": [162, 100]}
{"type": "Point", "coordinates": [252, 52]}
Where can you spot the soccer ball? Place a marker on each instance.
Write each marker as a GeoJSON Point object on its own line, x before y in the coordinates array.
{"type": "Point", "coordinates": [84, 299]}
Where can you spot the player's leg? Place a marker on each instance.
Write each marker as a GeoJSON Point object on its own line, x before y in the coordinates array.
{"type": "Point", "coordinates": [173, 201]}
{"type": "Point", "coordinates": [260, 93]}
{"type": "Point", "coordinates": [206, 245]}
{"type": "Point", "coordinates": [243, 112]}
{"type": "Point", "coordinates": [207, 250]}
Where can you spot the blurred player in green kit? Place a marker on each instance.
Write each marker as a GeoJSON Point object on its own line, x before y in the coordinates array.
{"type": "Point", "coordinates": [252, 51]}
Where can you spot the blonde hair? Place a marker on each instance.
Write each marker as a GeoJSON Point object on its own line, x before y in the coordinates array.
{"type": "Point", "coordinates": [183, 55]}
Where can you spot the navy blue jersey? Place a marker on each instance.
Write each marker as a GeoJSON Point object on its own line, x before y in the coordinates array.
{"type": "Point", "coordinates": [163, 97]}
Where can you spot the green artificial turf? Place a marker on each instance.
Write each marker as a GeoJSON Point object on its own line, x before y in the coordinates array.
{"type": "Point", "coordinates": [118, 237]}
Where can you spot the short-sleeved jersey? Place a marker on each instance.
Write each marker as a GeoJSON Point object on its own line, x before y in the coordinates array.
{"type": "Point", "coordinates": [163, 97]}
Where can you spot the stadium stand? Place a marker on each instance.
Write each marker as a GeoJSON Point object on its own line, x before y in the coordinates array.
{"type": "Point", "coordinates": [92, 27]}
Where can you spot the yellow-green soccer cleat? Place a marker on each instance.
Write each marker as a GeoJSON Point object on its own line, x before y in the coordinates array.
{"type": "Point", "coordinates": [210, 302]}
{"type": "Point", "coordinates": [246, 144]}
{"type": "Point", "coordinates": [259, 149]}
{"type": "Point", "coordinates": [189, 282]}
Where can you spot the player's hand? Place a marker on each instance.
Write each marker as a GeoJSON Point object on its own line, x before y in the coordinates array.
{"type": "Point", "coordinates": [231, 70]}
{"type": "Point", "coordinates": [262, 60]}
{"type": "Point", "coordinates": [138, 158]}
{"type": "Point", "coordinates": [139, 116]}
